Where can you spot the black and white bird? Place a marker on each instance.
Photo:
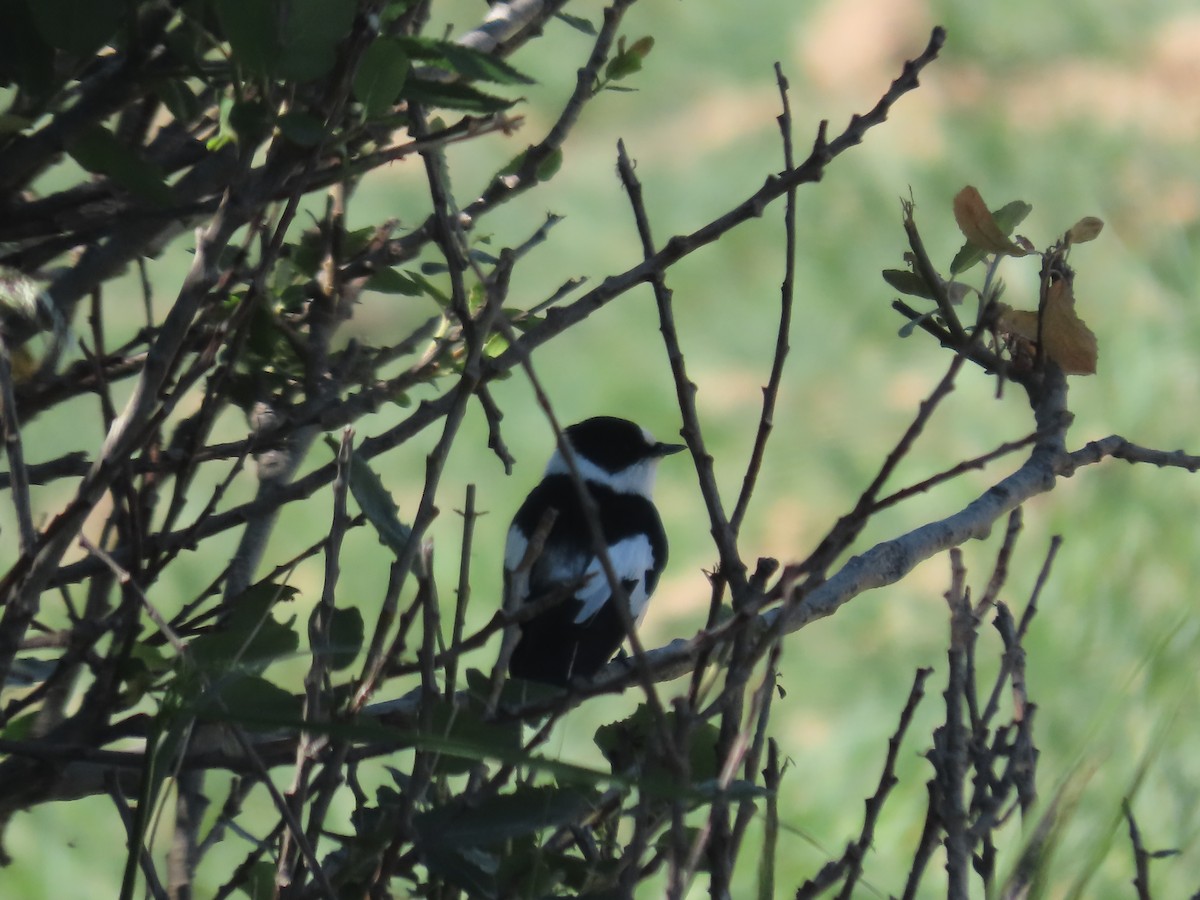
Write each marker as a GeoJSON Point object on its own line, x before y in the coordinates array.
{"type": "Point", "coordinates": [616, 460]}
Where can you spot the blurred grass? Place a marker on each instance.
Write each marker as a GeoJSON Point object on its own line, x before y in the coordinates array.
{"type": "Point", "coordinates": [1081, 108]}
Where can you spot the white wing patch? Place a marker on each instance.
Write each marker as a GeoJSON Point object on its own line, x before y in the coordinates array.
{"type": "Point", "coordinates": [514, 548]}
{"type": "Point", "coordinates": [631, 559]}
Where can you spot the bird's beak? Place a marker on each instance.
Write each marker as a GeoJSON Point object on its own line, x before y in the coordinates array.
{"type": "Point", "coordinates": [661, 449]}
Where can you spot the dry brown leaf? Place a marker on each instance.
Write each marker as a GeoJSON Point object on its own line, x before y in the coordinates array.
{"type": "Point", "coordinates": [1069, 342]}
{"type": "Point", "coordinates": [1086, 229]}
{"type": "Point", "coordinates": [978, 226]}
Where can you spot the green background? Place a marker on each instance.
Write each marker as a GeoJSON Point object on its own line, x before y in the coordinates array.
{"type": "Point", "coordinates": [1080, 108]}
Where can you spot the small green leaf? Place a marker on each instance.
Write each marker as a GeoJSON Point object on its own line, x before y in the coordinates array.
{"type": "Point", "coordinates": [454, 95]}
{"type": "Point", "coordinates": [514, 165]}
{"type": "Point", "coordinates": [391, 281]}
{"type": "Point", "coordinates": [636, 739]}
{"type": "Point", "coordinates": [380, 76]}
{"type": "Point", "coordinates": [495, 345]}
{"type": "Point", "coordinates": [622, 67]}
{"type": "Point", "coordinates": [907, 282]}
{"type": "Point", "coordinates": [21, 728]}
{"type": "Point", "coordinates": [248, 700]}
{"type": "Point", "coordinates": [98, 150]}
{"type": "Point", "coordinates": [1007, 218]}
{"type": "Point", "coordinates": [301, 128]}
{"type": "Point", "coordinates": [578, 23]}
{"type": "Point", "coordinates": [468, 737]}
{"type": "Point", "coordinates": [225, 134]}
{"type": "Point", "coordinates": [250, 638]}
{"type": "Point", "coordinates": [251, 121]}
{"type": "Point", "coordinates": [345, 637]}
{"type": "Point", "coordinates": [468, 62]}
{"type": "Point", "coordinates": [469, 868]}
{"type": "Point", "coordinates": [907, 329]}
{"type": "Point", "coordinates": [76, 26]}
{"type": "Point", "coordinates": [251, 27]}
{"type": "Point", "coordinates": [628, 60]}
{"type": "Point", "coordinates": [549, 167]}
{"type": "Point", "coordinates": [357, 240]}
{"type": "Point", "coordinates": [259, 883]}
{"type": "Point", "coordinates": [497, 819]}
{"type": "Point", "coordinates": [309, 35]}
{"type": "Point", "coordinates": [377, 504]}
{"type": "Point", "coordinates": [25, 58]}
{"type": "Point", "coordinates": [430, 289]}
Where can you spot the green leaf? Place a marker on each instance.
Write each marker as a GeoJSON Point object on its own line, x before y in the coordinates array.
{"type": "Point", "coordinates": [356, 240]}
{"type": "Point", "coordinates": [225, 134]}
{"type": "Point", "coordinates": [622, 67]}
{"type": "Point", "coordinates": [380, 76]}
{"type": "Point", "coordinates": [429, 288]}
{"type": "Point", "coordinates": [907, 282]}
{"type": "Point", "coordinates": [907, 329]}
{"type": "Point", "coordinates": [250, 638]}
{"type": "Point", "coordinates": [495, 820]}
{"type": "Point", "coordinates": [549, 166]}
{"type": "Point", "coordinates": [345, 637]}
{"type": "Point", "coordinates": [250, 121]}
{"type": "Point", "coordinates": [1007, 217]}
{"type": "Point", "coordinates": [250, 26]}
{"type": "Point", "coordinates": [21, 728]}
{"type": "Point", "coordinates": [301, 128]}
{"type": "Point", "coordinates": [25, 58]}
{"type": "Point", "coordinates": [98, 150]}
{"type": "Point", "coordinates": [514, 165]}
{"type": "Point", "coordinates": [470, 868]}
{"type": "Point", "coordinates": [578, 23]}
{"type": "Point", "coordinates": [377, 504]}
{"type": "Point", "coordinates": [391, 281]}
{"type": "Point", "coordinates": [495, 344]}
{"type": "Point", "coordinates": [468, 62]}
{"type": "Point", "coordinates": [471, 737]}
{"type": "Point", "coordinates": [454, 95]}
{"type": "Point", "coordinates": [76, 26]}
{"type": "Point", "coordinates": [636, 739]}
{"type": "Point", "coordinates": [248, 700]}
{"type": "Point", "coordinates": [311, 31]}
{"type": "Point", "coordinates": [628, 60]}
{"type": "Point", "coordinates": [259, 883]}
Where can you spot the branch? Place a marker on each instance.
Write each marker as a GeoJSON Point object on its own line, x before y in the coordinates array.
{"type": "Point", "coordinates": [787, 292]}
{"type": "Point", "coordinates": [557, 321]}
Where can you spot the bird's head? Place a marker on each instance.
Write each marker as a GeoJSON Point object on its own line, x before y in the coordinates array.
{"type": "Point", "coordinates": [615, 453]}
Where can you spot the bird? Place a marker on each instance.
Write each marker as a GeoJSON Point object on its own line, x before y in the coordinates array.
{"type": "Point", "coordinates": [576, 635]}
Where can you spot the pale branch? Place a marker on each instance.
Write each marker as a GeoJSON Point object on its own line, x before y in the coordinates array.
{"type": "Point", "coordinates": [509, 22]}
{"type": "Point", "coordinates": [1118, 447]}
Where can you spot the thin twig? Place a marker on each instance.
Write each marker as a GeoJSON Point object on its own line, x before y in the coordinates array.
{"type": "Point", "coordinates": [733, 570]}
{"type": "Point", "coordinates": [463, 593]}
{"type": "Point", "coordinates": [787, 294]}
{"type": "Point", "coordinates": [849, 865]}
